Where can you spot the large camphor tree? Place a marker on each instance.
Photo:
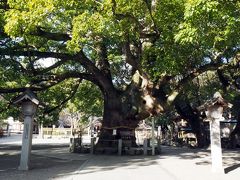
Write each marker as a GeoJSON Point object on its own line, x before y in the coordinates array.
{"type": "Point", "coordinates": [139, 53]}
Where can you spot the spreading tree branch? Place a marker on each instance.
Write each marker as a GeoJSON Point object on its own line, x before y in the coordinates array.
{"type": "Point", "coordinates": [149, 7]}
{"type": "Point", "coordinates": [39, 54]}
{"type": "Point", "coordinates": [74, 91]}
{"type": "Point", "coordinates": [50, 35]}
{"type": "Point", "coordinates": [193, 74]}
{"type": "Point", "coordinates": [54, 81]}
{"type": "Point", "coordinates": [103, 62]}
{"type": "Point", "coordinates": [130, 58]}
{"type": "Point", "coordinates": [120, 16]}
{"type": "Point", "coordinates": [104, 81]}
{"type": "Point", "coordinates": [4, 5]}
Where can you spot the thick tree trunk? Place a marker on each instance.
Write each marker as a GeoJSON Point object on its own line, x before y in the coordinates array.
{"type": "Point", "coordinates": [234, 133]}
{"type": "Point", "coordinates": [236, 114]}
{"type": "Point", "coordinates": [186, 111]}
{"type": "Point", "coordinates": [123, 110]}
{"type": "Point", "coordinates": [119, 119]}
{"type": "Point", "coordinates": [116, 118]}
{"type": "Point", "coordinates": [118, 123]}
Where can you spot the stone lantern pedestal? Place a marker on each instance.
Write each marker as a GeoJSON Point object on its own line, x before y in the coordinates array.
{"type": "Point", "coordinates": [214, 111]}
{"type": "Point", "coordinates": [28, 103]}
{"type": "Point", "coordinates": [215, 137]}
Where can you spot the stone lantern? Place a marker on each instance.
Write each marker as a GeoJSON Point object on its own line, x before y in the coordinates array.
{"type": "Point", "coordinates": [28, 103]}
{"type": "Point", "coordinates": [214, 110]}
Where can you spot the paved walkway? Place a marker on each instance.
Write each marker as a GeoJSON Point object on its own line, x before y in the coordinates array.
{"type": "Point", "coordinates": [51, 160]}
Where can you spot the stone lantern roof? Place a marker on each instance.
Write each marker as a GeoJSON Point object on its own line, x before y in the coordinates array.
{"type": "Point", "coordinates": [216, 100]}
{"type": "Point", "coordinates": [27, 95]}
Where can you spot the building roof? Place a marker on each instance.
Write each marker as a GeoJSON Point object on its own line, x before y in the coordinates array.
{"type": "Point", "coordinates": [143, 126]}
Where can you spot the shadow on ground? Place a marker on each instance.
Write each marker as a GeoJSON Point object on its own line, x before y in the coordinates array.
{"type": "Point", "coordinates": [200, 157]}
{"type": "Point", "coordinates": [103, 163]}
{"type": "Point", "coordinates": [50, 162]}
{"type": "Point", "coordinates": [42, 166]}
{"type": "Point", "coordinates": [231, 158]}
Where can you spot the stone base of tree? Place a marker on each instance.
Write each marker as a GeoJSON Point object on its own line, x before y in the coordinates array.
{"type": "Point", "coordinates": [114, 151]}
{"type": "Point", "coordinates": [125, 151]}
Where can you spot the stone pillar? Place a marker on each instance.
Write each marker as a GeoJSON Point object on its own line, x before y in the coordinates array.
{"type": "Point", "coordinates": [71, 128]}
{"type": "Point", "coordinates": [216, 149]}
{"type": "Point", "coordinates": [29, 103]}
{"type": "Point", "coordinates": [153, 138]}
{"type": "Point", "coordinates": [120, 147]}
{"type": "Point", "coordinates": [214, 111]}
{"type": "Point", "coordinates": [92, 145]}
{"type": "Point", "coordinates": [214, 114]}
{"type": "Point", "coordinates": [159, 132]}
{"type": "Point", "coordinates": [40, 130]}
{"type": "Point", "coordinates": [159, 145]}
{"type": "Point", "coordinates": [145, 148]}
{"type": "Point", "coordinates": [26, 143]}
